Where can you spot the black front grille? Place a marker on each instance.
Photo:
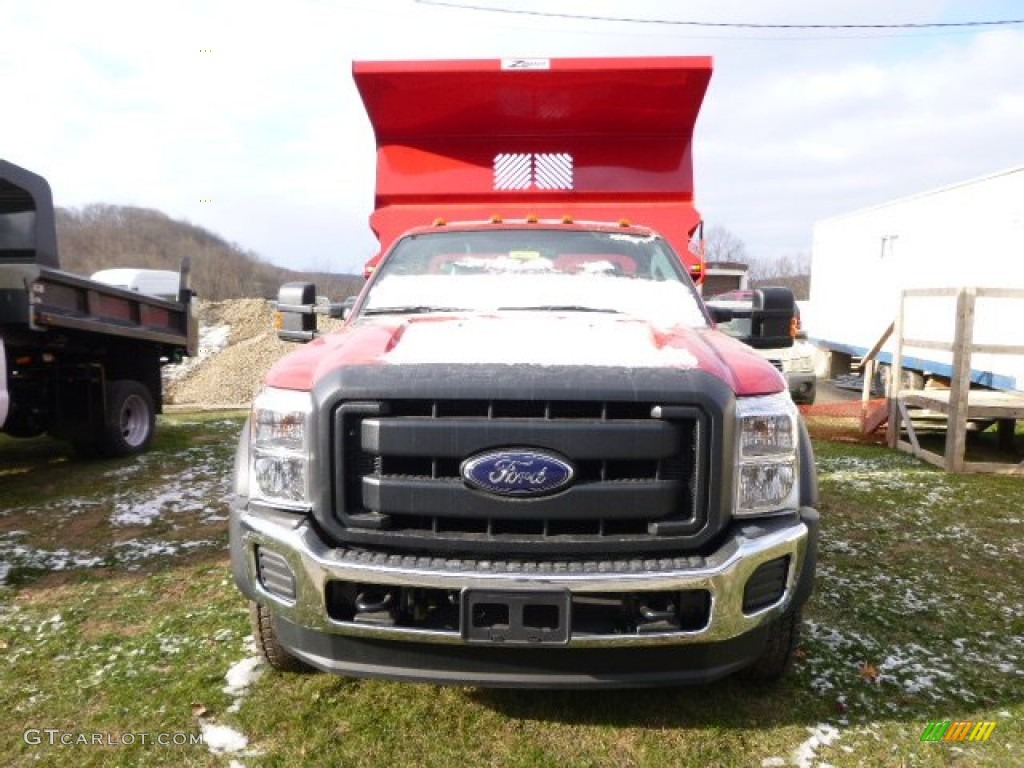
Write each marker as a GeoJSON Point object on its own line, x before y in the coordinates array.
{"type": "Point", "coordinates": [639, 475]}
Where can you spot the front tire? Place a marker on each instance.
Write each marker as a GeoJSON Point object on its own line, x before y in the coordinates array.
{"type": "Point", "coordinates": [265, 634]}
{"type": "Point", "coordinates": [777, 658]}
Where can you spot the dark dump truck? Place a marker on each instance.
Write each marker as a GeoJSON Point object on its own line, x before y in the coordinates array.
{"type": "Point", "coordinates": [528, 458]}
{"type": "Point", "coordinates": [79, 360]}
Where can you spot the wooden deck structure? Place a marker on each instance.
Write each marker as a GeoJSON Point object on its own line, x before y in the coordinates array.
{"type": "Point", "coordinates": [959, 403]}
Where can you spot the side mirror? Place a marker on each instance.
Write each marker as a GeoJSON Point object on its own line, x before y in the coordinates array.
{"type": "Point", "coordinates": [768, 323]}
{"type": "Point", "coordinates": [720, 314]}
{"type": "Point", "coordinates": [296, 312]}
{"type": "Point", "coordinates": [297, 308]}
{"type": "Point", "coordinates": [771, 318]}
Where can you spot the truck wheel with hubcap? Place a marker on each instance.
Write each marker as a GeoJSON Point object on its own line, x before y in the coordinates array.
{"type": "Point", "coordinates": [265, 634]}
{"type": "Point", "coordinates": [777, 657]}
{"type": "Point", "coordinates": [130, 420]}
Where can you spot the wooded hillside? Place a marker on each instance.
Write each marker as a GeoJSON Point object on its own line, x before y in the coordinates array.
{"type": "Point", "coordinates": [103, 236]}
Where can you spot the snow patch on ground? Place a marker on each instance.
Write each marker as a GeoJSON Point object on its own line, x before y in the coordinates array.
{"type": "Point", "coordinates": [135, 551]}
{"type": "Point", "coordinates": [916, 669]}
{"type": "Point", "coordinates": [821, 735]}
{"type": "Point", "coordinates": [222, 738]}
{"type": "Point", "coordinates": [239, 677]}
{"type": "Point", "coordinates": [148, 494]}
{"type": "Point", "coordinates": [42, 559]}
{"type": "Point", "coordinates": [243, 674]}
{"type": "Point", "coordinates": [193, 490]}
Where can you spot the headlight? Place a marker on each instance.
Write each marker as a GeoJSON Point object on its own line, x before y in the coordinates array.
{"type": "Point", "coordinates": [768, 472]}
{"type": "Point", "coordinates": [281, 448]}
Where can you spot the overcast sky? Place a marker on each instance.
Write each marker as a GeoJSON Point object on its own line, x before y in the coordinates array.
{"type": "Point", "coordinates": [251, 105]}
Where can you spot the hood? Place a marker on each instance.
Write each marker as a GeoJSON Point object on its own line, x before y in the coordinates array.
{"type": "Point", "coordinates": [528, 338]}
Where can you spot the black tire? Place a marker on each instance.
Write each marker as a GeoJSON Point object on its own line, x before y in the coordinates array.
{"type": "Point", "coordinates": [18, 425]}
{"type": "Point", "coordinates": [777, 658]}
{"type": "Point", "coordinates": [807, 398]}
{"type": "Point", "coordinates": [265, 634]}
{"type": "Point", "coordinates": [129, 422]}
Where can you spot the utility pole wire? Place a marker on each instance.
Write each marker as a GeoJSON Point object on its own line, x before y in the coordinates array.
{"type": "Point", "coordinates": [722, 24]}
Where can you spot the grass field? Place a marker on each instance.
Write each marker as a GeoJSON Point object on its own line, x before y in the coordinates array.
{"type": "Point", "coordinates": [121, 632]}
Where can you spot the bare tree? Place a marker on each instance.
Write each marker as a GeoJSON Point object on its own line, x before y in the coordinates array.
{"type": "Point", "coordinates": [791, 271]}
{"type": "Point", "coordinates": [104, 236]}
{"type": "Point", "coordinates": [721, 245]}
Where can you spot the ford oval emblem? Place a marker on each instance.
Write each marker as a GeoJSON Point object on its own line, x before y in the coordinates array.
{"type": "Point", "coordinates": [517, 472]}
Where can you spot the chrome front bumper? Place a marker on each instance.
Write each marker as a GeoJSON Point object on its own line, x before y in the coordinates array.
{"type": "Point", "coordinates": [723, 574]}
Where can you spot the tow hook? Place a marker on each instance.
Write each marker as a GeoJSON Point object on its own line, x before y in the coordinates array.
{"type": "Point", "coordinates": [376, 607]}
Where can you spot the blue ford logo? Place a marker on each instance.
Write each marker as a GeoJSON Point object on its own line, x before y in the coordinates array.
{"type": "Point", "coordinates": [517, 473]}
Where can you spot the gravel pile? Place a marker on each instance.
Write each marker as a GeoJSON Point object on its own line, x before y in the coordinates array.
{"type": "Point", "coordinates": [229, 376]}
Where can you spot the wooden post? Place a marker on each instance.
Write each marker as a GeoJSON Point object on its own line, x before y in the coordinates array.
{"type": "Point", "coordinates": [960, 386]}
{"type": "Point", "coordinates": [1005, 429]}
{"type": "Point", "coordinates": [868, 372]}
{"type": "Point", "coordinates": [892, 390]}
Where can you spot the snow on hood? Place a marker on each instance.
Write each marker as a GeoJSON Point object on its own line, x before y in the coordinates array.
{"type": "Point", "coordinates": [527, 338]}
{"type": "Point", "coordinates": [537, 338]}
{"type": "Point", "coordinates": [665, 304]}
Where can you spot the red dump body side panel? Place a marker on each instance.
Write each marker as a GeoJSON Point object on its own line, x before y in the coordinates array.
{"type": "Point", "coordinates": [595, 139]}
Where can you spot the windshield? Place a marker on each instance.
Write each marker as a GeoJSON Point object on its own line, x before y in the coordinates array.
{"type": "Point", "coordinates": [535, 269]}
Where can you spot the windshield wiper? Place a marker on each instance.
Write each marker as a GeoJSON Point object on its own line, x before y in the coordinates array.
{"type": "Point", "coordinates": [413, 309]}
{"type": "Point", "coordinates": [559, 308]}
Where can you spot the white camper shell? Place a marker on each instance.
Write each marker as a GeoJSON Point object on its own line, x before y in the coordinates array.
{"type": "Point", "coordinates": [161, 283]}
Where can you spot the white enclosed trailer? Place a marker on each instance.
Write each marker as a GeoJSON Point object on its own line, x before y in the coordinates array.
{"type": "Point", "coordinates": [967, 234]}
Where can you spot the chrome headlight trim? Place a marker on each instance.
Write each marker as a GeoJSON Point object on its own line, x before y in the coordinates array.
{"type": "Point", "coordinates": [281, 448]}
{"type": "Point", "coordinates": [767, 452]}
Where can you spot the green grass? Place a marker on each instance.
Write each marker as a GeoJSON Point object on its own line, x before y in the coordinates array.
{"type": "Point", "coordinates": [918, 616]}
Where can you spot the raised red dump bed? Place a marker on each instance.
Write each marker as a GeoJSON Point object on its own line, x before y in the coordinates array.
{"type": "Point", "coordinates": [591, 139]}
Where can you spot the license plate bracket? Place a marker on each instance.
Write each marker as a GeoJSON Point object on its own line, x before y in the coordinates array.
{"type": "Point", "coordinates": [541, 617]}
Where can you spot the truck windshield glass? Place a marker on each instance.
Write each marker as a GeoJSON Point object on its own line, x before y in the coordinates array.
{"type": "Point", "coordinates": [535, 269]}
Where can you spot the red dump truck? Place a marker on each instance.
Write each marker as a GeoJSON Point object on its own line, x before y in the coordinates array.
{"type": "Point", "coordinates": [528, 458]}
{"type": "Point", "coordinates": [80, 360]}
